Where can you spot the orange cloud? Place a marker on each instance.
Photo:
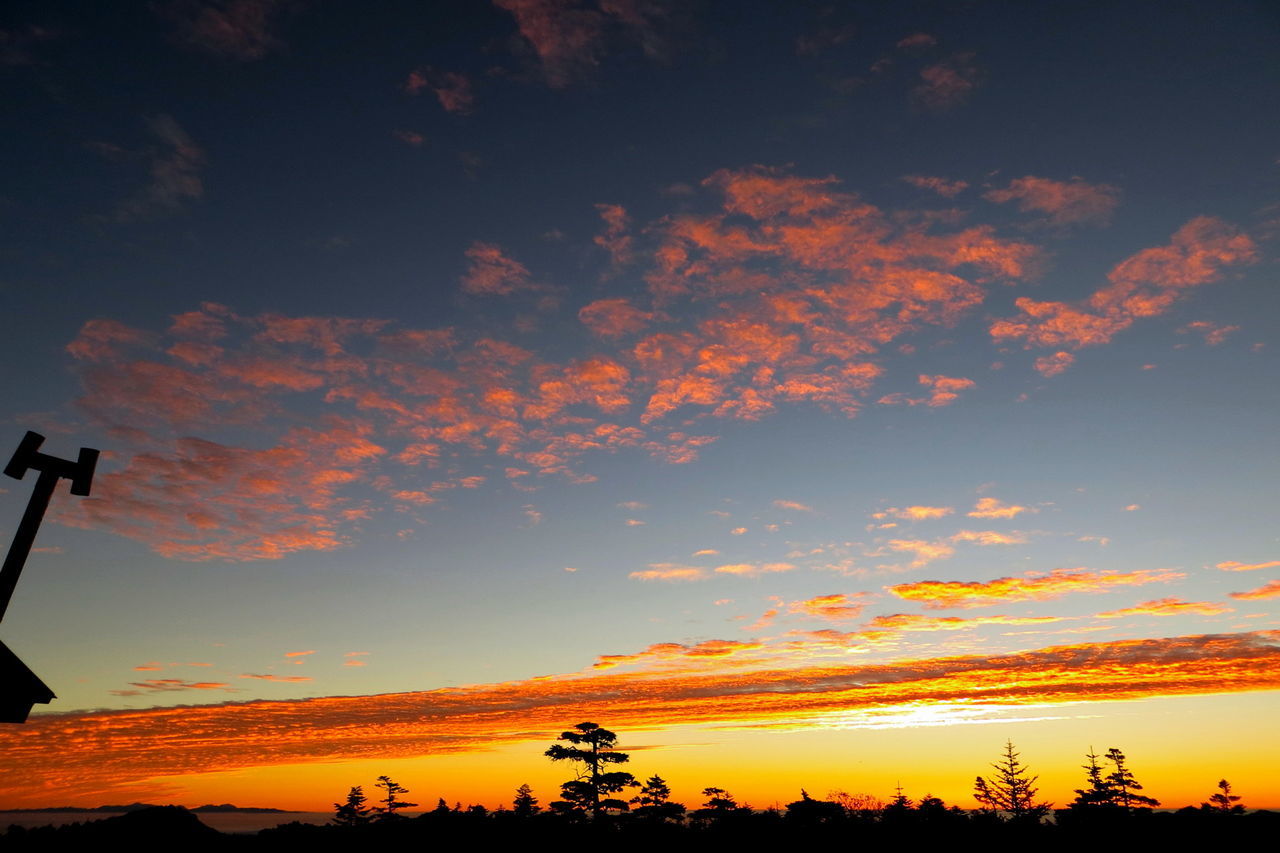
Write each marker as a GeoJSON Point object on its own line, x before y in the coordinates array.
{"type": "Point", "coordinates": [915, 513]}
{"type": "Point", "coordinates": [1168, 607]}
{"type": "Point", "coordinates": [660, 653]}
{"type": "Point", "coordinates": [835, 608]}
{"type": "Point", "coordinates": [85, 757]}
{"type": "Point", "coordinates": [1233, 566]}
{"type": "Point", "coordinates": [1035, 586]}
{"type": "Point", "coordinates": [1143, 285]}
{"type": "Point", "coordinates": [917, 622]}
{"type": "Point", "coordinates": [1271, 589]}
{"type": "Point", "coordinates": [754, 569]}
{"type": "Point", "coordinates": [169, 685]}
{"type": "Point", "coordinates": [299, 654]}
{"type": "Point", "coordinates": [989, 537]}
{"type": "Point", "coordinates": [1214, 334]}
{"type": "Point", "coordinates": [669, 572]}
{"type": "Point", "coordinates": [283, 678]}
{"type": "Point", "coordinates": [993, 508]}
{"type": "Point", "coordinates": [793, 505]}
{"type": "Point", "coordinates": [614, 318]}
{"type": "Point", "coordinates": [941, 186]}
{"type": "Point", "coordinates": [615, 239]}
{"type": "Point", "coordinates": [1063, 202]}
{"type": "Point", "coordinates": [1052, 365]}
{"type": "Point", "coordinates": [925, 552]}
{"type": "Point", "coordinates": [944, 391]}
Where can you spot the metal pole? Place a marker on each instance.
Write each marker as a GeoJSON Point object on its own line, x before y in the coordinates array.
{"type": "Point", "coordinates": [25, 535]}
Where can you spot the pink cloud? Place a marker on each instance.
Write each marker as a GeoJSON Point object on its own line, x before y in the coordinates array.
{"type": "Point", "coordinates": [941, 186]}
{"type": "Point", "coordinates": [1062, 202]}
{"type": "Point", "coordinates": [946, 85]}
{"type": "Point", "coordinates": [492, 273]}
{"type": "Point", "coordinates": [237, 29]}
{"type": "Point", "coordinates": [452, 88]}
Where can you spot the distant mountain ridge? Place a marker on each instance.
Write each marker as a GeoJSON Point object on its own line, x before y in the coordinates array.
{"type": "Point", "coordinates": [134, 807]}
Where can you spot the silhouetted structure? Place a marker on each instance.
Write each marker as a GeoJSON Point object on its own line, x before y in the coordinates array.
{"type": "Point", "coordinates": [19, 686]}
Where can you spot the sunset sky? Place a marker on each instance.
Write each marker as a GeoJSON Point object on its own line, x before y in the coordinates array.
{"type": "Point", "coordinates": [816, 394]}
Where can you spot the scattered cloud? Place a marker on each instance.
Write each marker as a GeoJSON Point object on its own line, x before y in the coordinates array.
{"type": "Point", "coordinates": [1168, 607]}
{"type": "Point", "coordinates": [941, 186]}
{"type": "Point", "coordinates": [917, 40]}
{"type": "Point", "coordinates": [492, 273]}
{"type": "Point", "coordinates": [837, 607]}
{"type": "Point", "coordinates": [452, 89]}
{"type": "Point", "coordinates": [176, 164]}
{"type": "Point", "coordinates": [1146, 284]}
{"type": "Point", "coordinates": [1271, 589]}
{"type": "Point", "coordinates": [1233, 566]}
{"type": "Point", "coordinates": [993, 508]}
{"type": "Point", "coordinates": [1034, 586]}
{"type": "Point", "coordinates": [1214, 333]}
{"type": "Point", "coordinates": [793, 505]}
{"type": "Point", "coordinates": [914, 513]}
{"type": "Point", "coordinates": [299, 654]}
{"type": "Point", "coordinates": [989, 537]}
{"type": "Point", "coordinates": [670, 572]}
{"type": "Point", "coordinates": [291, 679]}
{"type": "Point", "coordinates": [1052, 365]}
{"type": "Point", "coordinates": [753, 569]}
{"type": "Point", "coordinates": [1061, 202]}
{"type": "Point", "coordinates": [706, 552]}
{"type": "Point", "coordinates": [738, 531]}
{"type": "Point", "coordinates": [925, 552]}
{"type": "Point", "coordinates": [944, 390]}
{"type": "Point", "coordinates": [946, 85]}
{"type": "Point", "coordinates": [235, 29]}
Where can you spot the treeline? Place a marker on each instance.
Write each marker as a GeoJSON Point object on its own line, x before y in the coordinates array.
{"type": "Point", "coordinates": [603, 804]}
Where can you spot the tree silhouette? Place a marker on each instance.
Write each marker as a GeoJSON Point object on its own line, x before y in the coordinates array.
{"type": "Point", "coordinates": [1100, 792]}
{"type": "Point", "coordinates": [525, 804]}
{"type": "Point", "coordinates": [1223, 802]}
{"type": "Point", "coordinates": [719, 807]}
{"type": "Point", "coordinates": [654, 802]}
{"type": "Point", "coordinates": [1011, 790]}
{"type": "Point", "coordinates": [353, 812]}
{"type": "Point", "coordinates": [590, 789]}
{"type": "Point", "coordinates": [1124, 785]}
{"type": "Point", "coordinates": [389, 803]}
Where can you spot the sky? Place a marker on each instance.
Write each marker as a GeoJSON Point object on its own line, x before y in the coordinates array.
{"type": "Point", "coordinates": [815, 394]}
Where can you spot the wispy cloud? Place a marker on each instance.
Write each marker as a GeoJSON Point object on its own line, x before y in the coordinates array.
{"type": "Point", "coordinates": [1271, 589]}
{"type": "Point", "coordinates": [236, 29]}
{"type": "Point", "coordinates": [670, 572]}
{"type": "Point", "coordinates": [994, 508]}
{"type": "Point", "coordinates": [1168, 607]}
{"type": "Point", "coordinates": [1061, 202]}
{"type": "Point", "coordinates": [1233, 566]}
{"type": "Point", "coordinates": [1034, 586]}
{"type": "Point", "coordinates": [948, 84]}
{"type": "Point", "coordinates": [176, 162]}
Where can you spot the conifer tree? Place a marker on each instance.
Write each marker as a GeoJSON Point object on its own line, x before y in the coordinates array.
{"type": "Point", "coordinates": [353, 812]}
{"type": "Point", "coordinates": [1124, 785]}
{"type": "Point", "coordinates": [654, 802]}
{"type": "Point", "coordinates": [1099, 793]}
{"type": "Point", "coordinates": [1223, 802]}
{"type": "Point", "coordinates": [590, 790]}
{"type": "Point", "coordinates": [390, 803]}
{"type": "Point", "coordinates": [525, 804]}
{"type": "Point", "coordinates": [1011, 790]}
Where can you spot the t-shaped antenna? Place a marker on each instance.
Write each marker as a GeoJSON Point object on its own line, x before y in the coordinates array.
{"type": "Point", "coordinates": [52, 469]}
